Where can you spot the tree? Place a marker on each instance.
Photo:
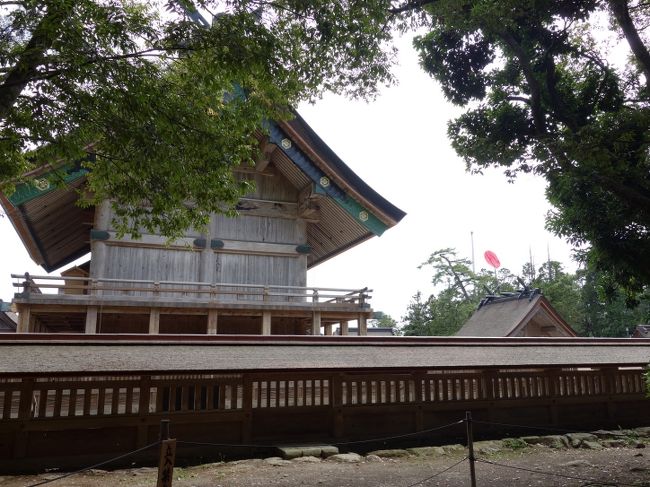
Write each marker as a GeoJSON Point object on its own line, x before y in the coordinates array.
{"type": "Point", "coordinates": [607, 309]}
{"type": "Point", "coordinates": [460, 290]}
{"type": "Point", "coordinates": [563, 290]}
{"type": "Point", "coordinates": [543, 96]}
{"type": "Point", "coordinates": [160, 107]}
{"type": "Point", "coordinates": [590, 301]}
{"type": "Point", "coordinates": [417, 318]}
{"type": "Point", "coordinates": [382, 320]}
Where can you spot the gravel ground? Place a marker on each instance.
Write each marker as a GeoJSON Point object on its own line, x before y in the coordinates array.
{"type": "Point", "coordinates": [612, 466]}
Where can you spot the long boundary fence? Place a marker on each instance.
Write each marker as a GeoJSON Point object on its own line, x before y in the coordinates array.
{"type": "Point", "coordinates": [71, 420]}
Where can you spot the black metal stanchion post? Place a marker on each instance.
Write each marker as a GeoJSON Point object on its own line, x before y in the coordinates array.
{"type": "Point", "coordinates": [470, 447]}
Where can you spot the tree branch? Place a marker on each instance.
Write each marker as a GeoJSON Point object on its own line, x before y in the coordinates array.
{"type": "Point", "coordinates": [519, 98]}
{"type": "Point", "coordinates": [533, 83]}
{"type": "Point", "coordinates": [556, 103]}
{"type": "Point", "coordinates": [622, 14]}
{"type": "Point", "coordinates": [152, 52]}
{"type": "Point", "coordinates": [457, 278]}
{"type": "Point", "coordinates": [412, 5]}
{"type": "Point", "coordinates": [42, 39]}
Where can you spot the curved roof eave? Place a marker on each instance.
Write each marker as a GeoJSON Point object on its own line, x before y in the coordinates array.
{"type": "Point", "coordinates": [311, 142]}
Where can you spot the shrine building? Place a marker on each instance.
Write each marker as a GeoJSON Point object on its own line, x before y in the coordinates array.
{"type": "Point", "coordinates": [242, 275]}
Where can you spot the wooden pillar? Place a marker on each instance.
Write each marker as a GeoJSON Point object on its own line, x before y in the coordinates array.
{"type": "Point", "coordinates": [154, 321]}
{"type": "Point", "coordinates": [315, 323]}
{"type": "Point", "coordinates": [97, 247]}
{"type": "Point", "coordinates": [328, 329]}
{"type": "Point", "coordinates": [363, 325]}
{"type": "Point", "coordinates": [213, 317]}
{"type": "Point", "coordinates": [266, 323]}
{"type": "Point", "coordinates": [143, 410]}
{"type": "Point", "coordinates": [91, 320]}
{"type": "Point", "coordinates": [207, 267]}
{"type": "Point", "coordinates": [24, 320]}
{"type": "Point", "coordinates": [344, 328]}
{"type": "Point", "coordinates": [336, 395]}
{"type": "Point", "coordinates": [21, 438]}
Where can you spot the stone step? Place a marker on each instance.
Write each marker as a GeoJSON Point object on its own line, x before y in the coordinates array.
{"type": "Point", "coordinates": [289, 452]}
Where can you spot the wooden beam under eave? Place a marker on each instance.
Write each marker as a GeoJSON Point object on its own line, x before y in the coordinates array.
{"type": "Point", "coordinates": [269, 171]}
{"type": "Point", "coordinates": [267, 208]}
{"type": "Point", "coordinates": [266, 153]}
{"type": "Point", "coordinates": [325, 167]}
{"type": "Point", "coordinates": [308, 204]}
{"type": "Point", "coordinates": [309, 211]}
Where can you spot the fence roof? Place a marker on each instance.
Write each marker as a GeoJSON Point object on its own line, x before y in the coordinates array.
{"type": "Point", "coordinates": [98, 354]}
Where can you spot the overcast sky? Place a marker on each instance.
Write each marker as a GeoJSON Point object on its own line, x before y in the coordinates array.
{"type": "Point", "coordinates": [398, 145]}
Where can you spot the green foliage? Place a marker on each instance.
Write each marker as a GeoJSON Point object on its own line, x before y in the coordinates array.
{"type": "Point", "coordinates": [563, 290]}
{"type": "Point", "coordinates": [542, 96]}
{"type": "Point", "coordinates": [608, 310]}
{"type": "Point", "coordinates": [514, 443]}
{"type": "Point", "coordinates": [167, 106]}
{"type": "Point", "coordinates": [590, 301]}
{"type": "Point", "coordinates": [445, 311]}
{"type": "Point", "coordinates": [382, 320]}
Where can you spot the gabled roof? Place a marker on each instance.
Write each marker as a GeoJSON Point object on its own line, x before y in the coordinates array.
{"type": "Point", "coordinates": [506, 316]}
{"type": "Point", "coordinates": [641, 331]}
{"type": "Point", "coordinates": [55, 230]}
{"type": "Point", "coordinates": [8, 319]}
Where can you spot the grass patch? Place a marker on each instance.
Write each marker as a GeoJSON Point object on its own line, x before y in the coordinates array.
{"type": "Point", "coordinates": [514, 443]}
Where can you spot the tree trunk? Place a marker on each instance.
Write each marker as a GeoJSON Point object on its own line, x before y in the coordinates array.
{"type": "Point", "coordinates": [622, 14]}
{"type": "Point", "coordinates": [25, 69]}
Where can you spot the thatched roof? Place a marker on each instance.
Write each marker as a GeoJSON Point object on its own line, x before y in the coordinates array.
{"type": "Point", "coordinates": [642, 331]}
{"type": "Point", "coordinates": [101, 354]}
{"type": "Point", "coordinates": [509, 315]}
{"type": "Point", "coordinates": [8, 319]}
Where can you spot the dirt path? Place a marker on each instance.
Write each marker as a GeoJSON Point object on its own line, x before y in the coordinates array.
{"type": "Point", "coordinates": [613, 466]}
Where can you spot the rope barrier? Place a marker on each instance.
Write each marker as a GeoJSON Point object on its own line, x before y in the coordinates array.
{"type": "Point", "coordinates": [406, 435]}
{"type": "Point", "coordinates": [223, 445]}
{"type": "Point", "coordinates": [97, 465]}
{"type": "Point", "coordinates": [540, 428]}
{"type": "Point", "coordinates": [370, 440]}
{"type": "Point", "coordinates": [553, 474]}
{"type": "Point", "coordinates": [438, 473]}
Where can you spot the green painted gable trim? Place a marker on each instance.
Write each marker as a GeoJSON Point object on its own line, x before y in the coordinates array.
{"type": "Point", "coordinates": [46, 183]}
{"type": "Point", "coordinates": [323, 184]}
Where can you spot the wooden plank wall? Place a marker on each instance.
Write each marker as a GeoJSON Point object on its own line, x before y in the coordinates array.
{"type": "Point", "coordinates": [97, 416]}
{"type": "Point", "coordinates": [155, 264]}
{"type": "Point", "coordinates": [268, 216]}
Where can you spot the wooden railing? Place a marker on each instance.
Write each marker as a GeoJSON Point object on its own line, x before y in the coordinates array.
{"type": "Point", "coordinates": [203, 291]}
{"type": "Point", "coordinates": [72, 397]}
{"type": "Point", "coordinates": [37, 412]}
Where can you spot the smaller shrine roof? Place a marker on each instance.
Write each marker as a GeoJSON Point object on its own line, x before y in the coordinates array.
{"type": "Point", "coordinates": [503, 316]}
